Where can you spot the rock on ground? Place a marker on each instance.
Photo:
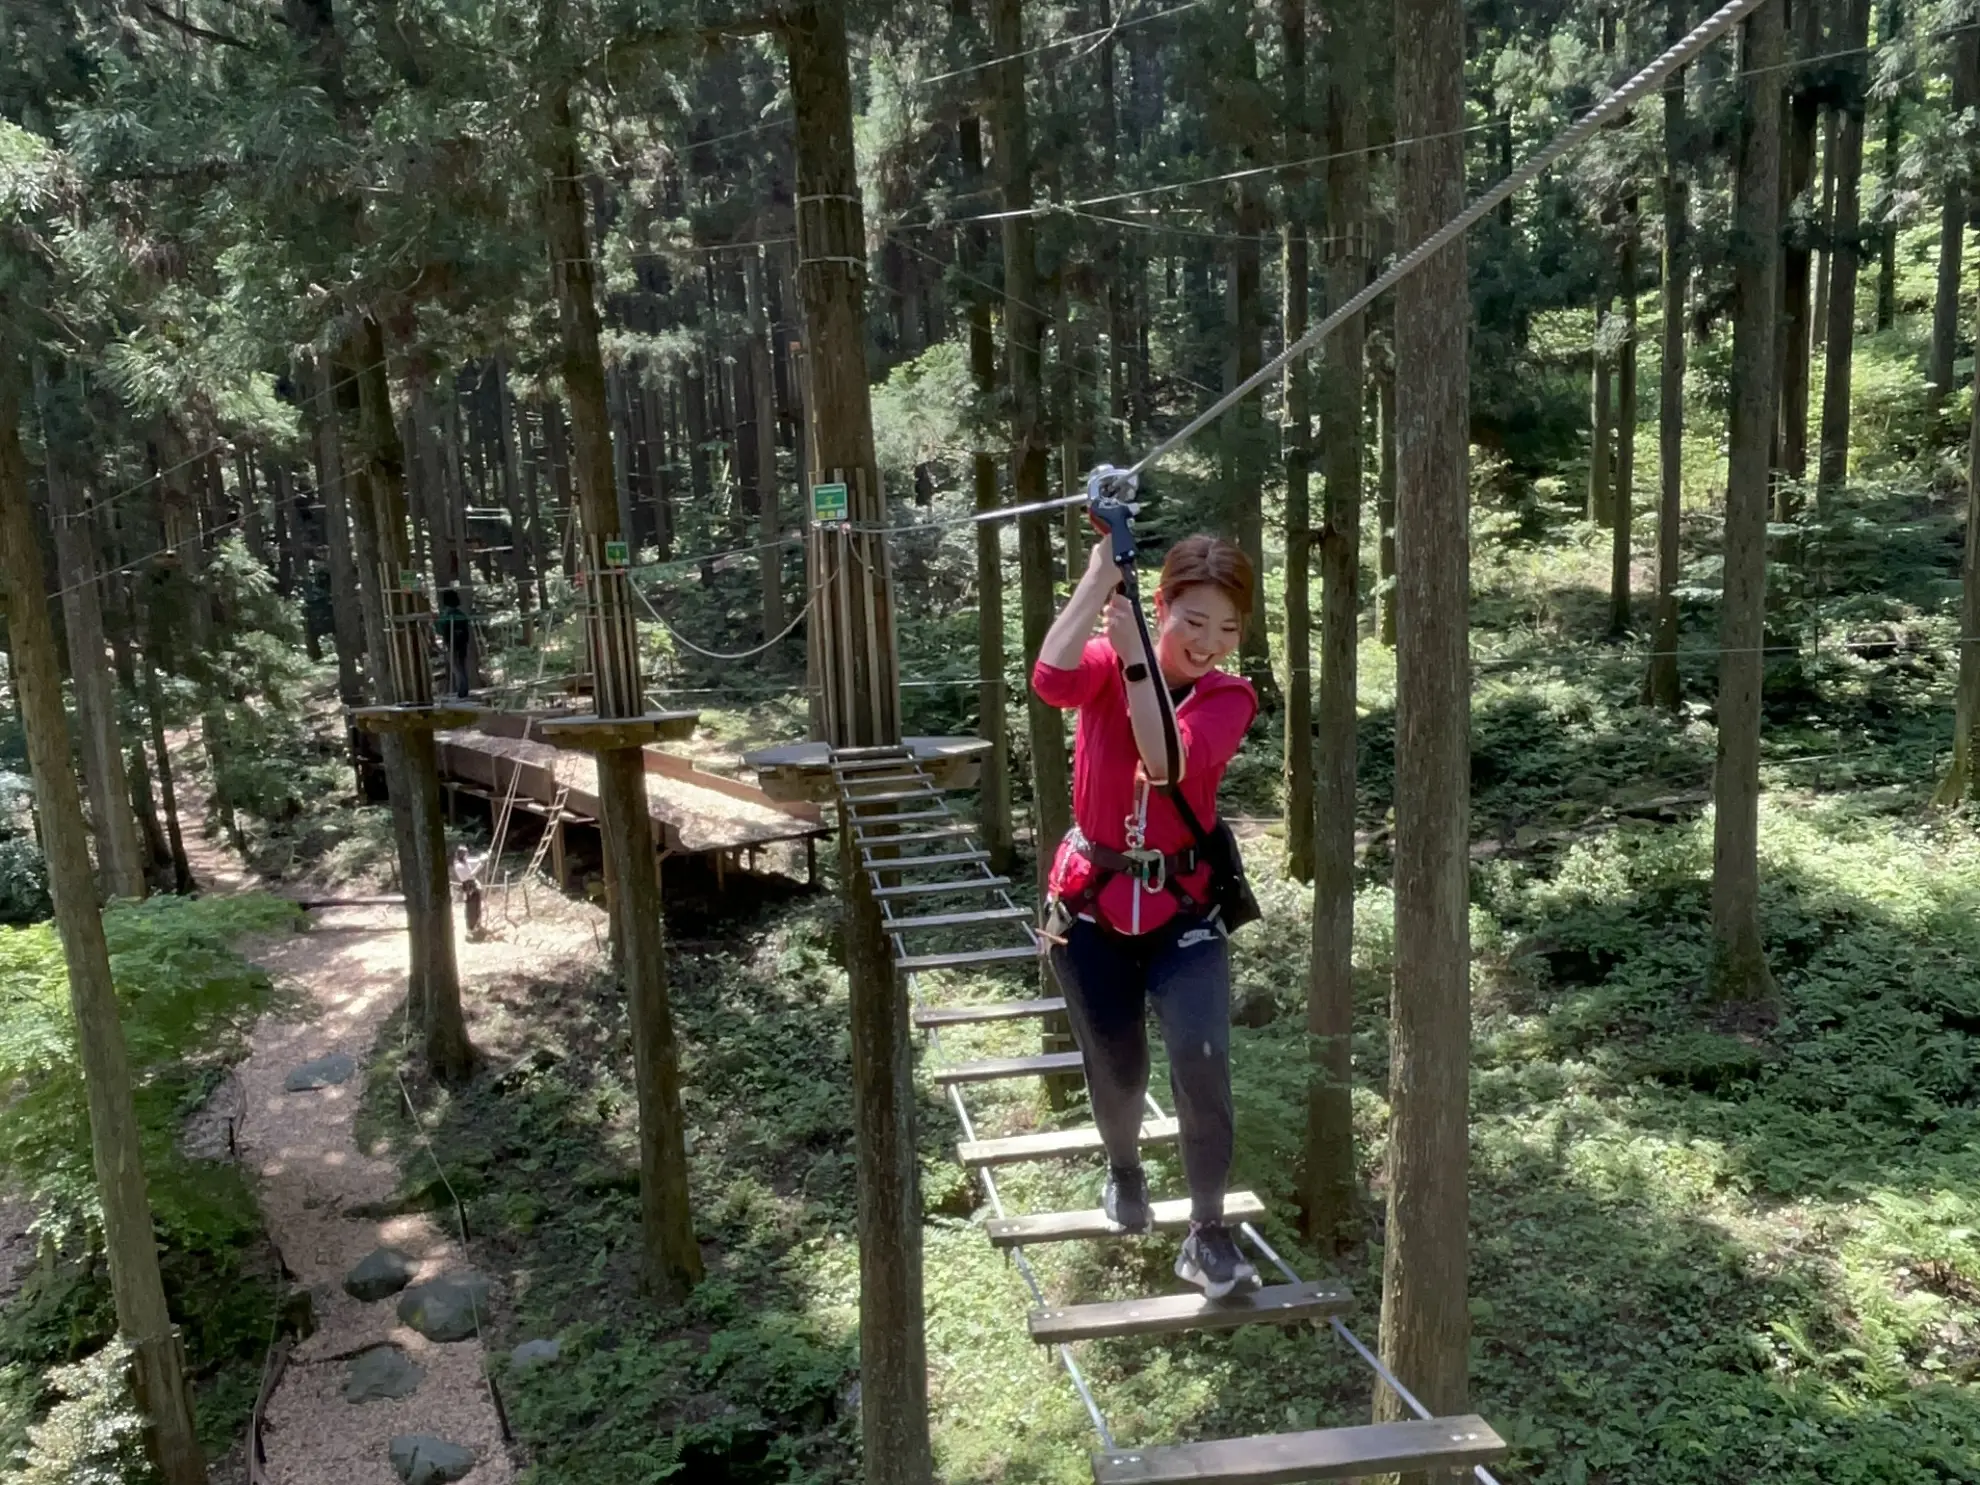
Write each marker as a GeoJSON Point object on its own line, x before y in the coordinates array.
{"type": "Point", "coordinates": [323, 1072]}
{"type": "Point", "coordinates": [422, 1459]}
{"type": "Point", "coordinates": [382, 1372]}
{"type": "Point", "coordinates": [532, 1354]}
{"type": "Point", "coordinates": [446, 1308]}
{"type": "Point", "coordinates": [380, 1274]}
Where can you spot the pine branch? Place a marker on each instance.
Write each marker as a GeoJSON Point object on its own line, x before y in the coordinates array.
{"type": "Point", "coordinates": [194, 30]}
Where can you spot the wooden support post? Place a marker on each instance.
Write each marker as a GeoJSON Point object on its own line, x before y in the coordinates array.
{"type": "Point", "coordinates": [853, 635]}
{"type": "Point", "coordinates": [559, 867]}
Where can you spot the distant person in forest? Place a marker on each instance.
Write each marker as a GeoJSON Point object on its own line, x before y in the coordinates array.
{"type": "Point", "coordinates": [1131, 915]}
{"type": "Point", "coordinates": [455, 631]}
{"type": "Point", "coordinates": [467, 877]}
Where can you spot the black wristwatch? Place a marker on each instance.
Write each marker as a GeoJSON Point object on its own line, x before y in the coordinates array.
{"type": "Point", "coordinates": [1135, 672]}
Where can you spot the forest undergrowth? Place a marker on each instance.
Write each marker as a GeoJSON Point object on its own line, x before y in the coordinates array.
{"type": "Point", "coordinates": [1708, 1243]}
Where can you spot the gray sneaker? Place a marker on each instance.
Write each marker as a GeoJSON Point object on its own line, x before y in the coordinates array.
{"type": "Point", "coordinates": [1125, 1201]}
{"type": "Point", "coordinates": [1210, 1259]}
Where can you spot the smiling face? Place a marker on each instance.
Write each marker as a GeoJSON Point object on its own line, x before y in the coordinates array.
{"type": "Point", "coordinates": [1199, 626]}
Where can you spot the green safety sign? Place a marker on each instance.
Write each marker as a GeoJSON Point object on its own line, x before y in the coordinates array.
{"type": "Point", "coordinates": [408, 580]}
{"type": "Point", "coordinates": [828, 502]}
{"type": "Point", "coordinates": [616, 554]}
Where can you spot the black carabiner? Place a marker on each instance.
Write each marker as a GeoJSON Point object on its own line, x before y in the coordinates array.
{"type": "Point", "coordinates": [1111, 507]}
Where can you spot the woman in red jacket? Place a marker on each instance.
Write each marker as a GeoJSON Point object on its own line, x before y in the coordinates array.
{"type": "Point", "coordinates": [1131, 912]}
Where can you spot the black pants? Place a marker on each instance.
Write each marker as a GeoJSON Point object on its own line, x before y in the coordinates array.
{"type": "Point", "coordinates": [1184, 968]}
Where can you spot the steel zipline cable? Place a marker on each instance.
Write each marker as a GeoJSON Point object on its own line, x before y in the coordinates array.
{"type": "Point", "coordinates": [1611, 108]}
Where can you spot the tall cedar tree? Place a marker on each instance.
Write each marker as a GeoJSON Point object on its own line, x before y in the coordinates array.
{"type": "Point", "coordinates": [1739, 966]}
{"type": "Point", "coordinates": [1662, 683]}
{"type": "Point", "coordinates": [670, 1256]}
{"type": "Point", "coordinates": [1425, 1322]}
{"type": "Point", "coordinates": [130, 1244]}
{"type": "Point", "coordinates": [1297, 455]}
{"type": "Point", "coordinates": [1846, 251]}
{"type": "Point", "coordinates": [1329, 1193]}
{"type": "Point", "coordinates": [893, 1358]}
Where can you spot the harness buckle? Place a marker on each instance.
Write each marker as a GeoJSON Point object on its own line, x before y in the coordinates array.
{"type": "Point", "coordinates": [1148, 867]}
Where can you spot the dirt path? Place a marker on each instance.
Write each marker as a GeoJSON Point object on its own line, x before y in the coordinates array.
{"type": "Point", "coordinates": [348, 975]}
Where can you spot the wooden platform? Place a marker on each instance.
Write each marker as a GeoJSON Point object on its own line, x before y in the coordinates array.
{"type": "Point", "coordinates": [592, 734]}
{"type": "Point", "coordinates": [803, 771]}
{"type": "Point", "coordinates": [1317, 1454]}
{"type": "Point", "coordinates": [439, 717]}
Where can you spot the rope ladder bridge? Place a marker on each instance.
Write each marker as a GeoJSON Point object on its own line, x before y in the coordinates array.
{"type": "Point", "coordinates": [929, 874]}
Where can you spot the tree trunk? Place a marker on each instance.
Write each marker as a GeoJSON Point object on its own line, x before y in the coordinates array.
{"type": "Point", "coordinates": [1298, 441]}
{"type": "Point", "coordinates": [1887, 182]}
{"type": "Point", "coordinates": [769, 493]}
{"type": "Point", "coordinates": [1385, 497]}
{"type": "Point", "coordinates": [1425, 1321]}
{"type": "Point", "coordinates": [130, 1243]}
{"type": "Point", "coordinates": [1845, 253]}
{"type": "Point", "coordinates": [154, 710]}
{"type": "Point", "coordinates": [1804, 115]}
{"type": "Point", "coordinates": [993, 720]}
{"type": "Point", "coordinates": [1601, 422]}
{"type": "Point", "coordinates": [1739, 970]}
{"type": "Point", "coordinates": [119, 851]}
{"type": "Point", "coordinates": [1622, 501]}
{"type": "Point", "coordinates": [1244, 425]}
{"type": "Point", "coordinates": [831, 247]}
{"type": "Point", "coordinates": [379, 504]}
{"type": "Point", "coordinates": [1663, 686]}
{"type": "Point", "coordinates": [521, 520]}
{"type": "Point", "coordinates": [347, 615]}
{"type": "Point", "coordinates": [1329, 1198]}
{"type": "Point", "coordinates": [1962, 781]}
{"type": "Point", "coordinates": [1952, 230]}
{"type": "Point", "coordinates": [671, 1257]}
{"type": "Point", "coordinates": [123, 647]}
{"type": "Point", "coordinates": [1825, 259]}
{"type": "Point", "coordinates": [1051, 779]}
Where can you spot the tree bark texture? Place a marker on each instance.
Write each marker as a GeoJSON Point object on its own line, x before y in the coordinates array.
{"type": "Point", "coordinates": [1425, 1320]}
{"type": "Point", "coordinates": [670, 1257]}
{"type": "Point", "coordinates": [1623, 500]}
{"type": "Point", "coordinates": [832, 286]}
{"type": "Point", "coordinates": [993, 716]}
{"type": "Point", "coordinates": [1952, 228]}
{"type": "Point", "coordinates": [130, 1243]}
{"type": "Point", "coordinates": [379, 503]}
{"type": "Point", "coordinates": [119, 848]}
{"type": "Point", "coordinates": [1601, 423]}
{"type": "Point", "coordinates": [1663, 686]}
{"type": "Point", "coordinates": [1797, 257]}
{"type": "Point", "coordinates": [1739, 970]}
{"type": "Point", "coordinates": [1329, 1196]}
{"type": "Point", "coordinates": [1297, 455]}
{"type": "Point", "coordinates": [1051, 775]}
{"type": "Point", "coordinates": [1846, 252]}
{"type": "Point", "coordinates": [1385, 496]}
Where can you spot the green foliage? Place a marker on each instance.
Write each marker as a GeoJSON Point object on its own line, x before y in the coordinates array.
{"type": "Point", "coordinates": [183, 993]}
{"type": "Point", "coordinates": [95, 1434]}
{"type": "Point", "coordinates": [186, 1000]}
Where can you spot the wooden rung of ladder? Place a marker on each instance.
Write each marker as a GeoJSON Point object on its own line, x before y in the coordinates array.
{"type": "Point", "coordinates": [959, 920]}
{"type": "Point", "coordinates": [912, 837]}
{"type": "Point", "coordinates": [867, 765]}
{"type": "Point", "coordinates": [1168, 1314]}
{"type": "Point", "coordinates": [929, 889]}
{"type": "Point", "coordinates": [894, 796]}
{"type": "Point", "coordinates": [881, 781]}
{"type": "Point", "coordinates": [1053, 1144]}
{"type": "Point", "coordinates": [1060, 1227]}
{"type": "Point", "coordinates": [931, 1016]}
{"type": "Point", "coordinates": [858, 755]}
{"type": "Point", "coordinates": [947, 858]}
{"type": "Point", "coordinates": [914, 964]}
{"type": "Point", "coordinates": [1362, 1451]}
{"type": "Point", "coordinates": [990, 1070]}
{"type": "Point", "coordinates": [905, 816]}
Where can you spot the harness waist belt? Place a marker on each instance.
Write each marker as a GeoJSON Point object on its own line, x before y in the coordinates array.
{"type": "Point", "coordinates": [1150, 867]}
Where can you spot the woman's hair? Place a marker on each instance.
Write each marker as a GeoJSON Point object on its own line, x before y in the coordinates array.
{"type": "Point", "coordinates": [1208, 559]}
